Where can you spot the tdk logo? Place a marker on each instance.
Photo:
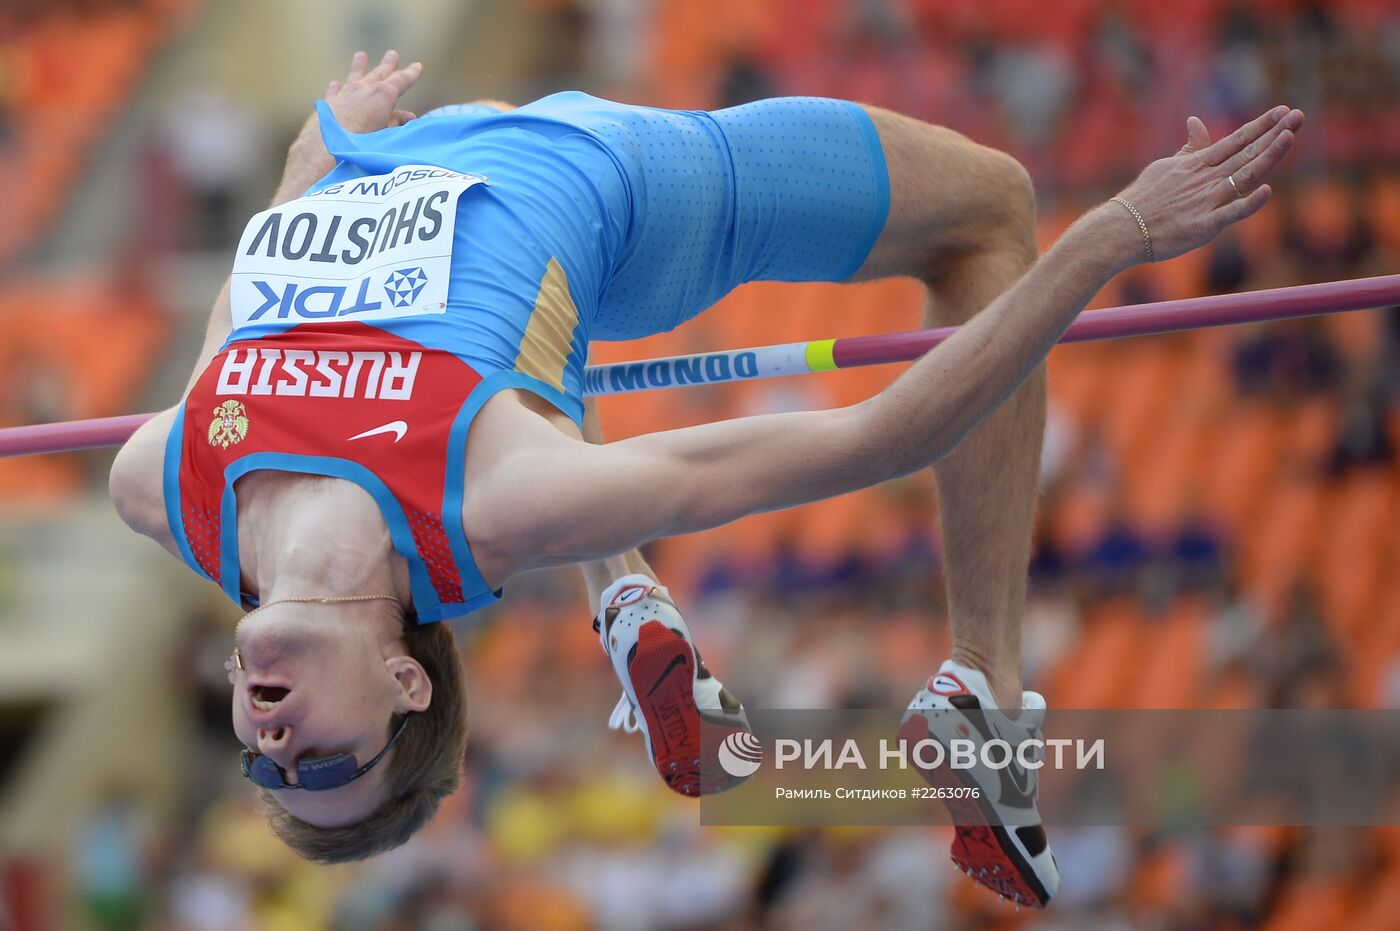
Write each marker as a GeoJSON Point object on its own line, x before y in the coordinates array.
{"type": "Point", "coordinates": [404, 286]}
{"type": "Point", "coordinates": [316, 302]}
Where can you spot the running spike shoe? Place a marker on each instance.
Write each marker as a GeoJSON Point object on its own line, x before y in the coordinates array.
{"type": "Point", "coordinates": [683, 712]}
{"type": "Point", "coordinates": [998, 837]}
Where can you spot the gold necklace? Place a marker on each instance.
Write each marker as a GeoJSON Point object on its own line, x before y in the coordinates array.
{"type": "Point", "coordinates": [310, 599]}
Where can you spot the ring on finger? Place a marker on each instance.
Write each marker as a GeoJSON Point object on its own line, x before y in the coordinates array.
{"type": "Point", "coordinates": [1231, 179]}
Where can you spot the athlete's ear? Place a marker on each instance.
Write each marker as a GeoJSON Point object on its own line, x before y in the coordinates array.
{"type": "Point", "coordinates": [415, 688]}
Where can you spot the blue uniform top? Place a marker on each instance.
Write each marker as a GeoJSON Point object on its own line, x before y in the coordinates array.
{"type": "Point", "coordinates": [595, 220]}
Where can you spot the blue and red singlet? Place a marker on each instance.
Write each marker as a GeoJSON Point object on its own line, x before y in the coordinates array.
{"type": "Point", "coordinates": [461, 254]}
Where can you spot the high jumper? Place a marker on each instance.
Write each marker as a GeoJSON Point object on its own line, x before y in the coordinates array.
{"type": "Point", "coordinates": [386, 422]}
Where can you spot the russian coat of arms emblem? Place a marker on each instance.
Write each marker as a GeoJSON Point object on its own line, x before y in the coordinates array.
{"type": "Point", "coordinates": [229, 426]}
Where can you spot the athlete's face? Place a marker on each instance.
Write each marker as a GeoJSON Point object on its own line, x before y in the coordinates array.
{"type": "Point", "coordinates": [315, 682]}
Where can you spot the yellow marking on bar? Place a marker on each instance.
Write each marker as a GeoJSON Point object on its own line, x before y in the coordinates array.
{"type": "Point", "coordinates": [549, 335]}
{"type": "Point", "coordinates": [819, 357]}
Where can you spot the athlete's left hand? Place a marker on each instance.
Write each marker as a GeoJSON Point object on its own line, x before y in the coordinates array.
{"type": "Point", "coordinates": [367, 100]}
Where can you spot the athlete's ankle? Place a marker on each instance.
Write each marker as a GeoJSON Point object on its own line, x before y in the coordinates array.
{"type": "Point", "coordinates": [1003, 680]}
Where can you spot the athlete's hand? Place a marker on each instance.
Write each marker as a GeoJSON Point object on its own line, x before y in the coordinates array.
{"type": "Point", "coordinates": [1187, 199]}
{"type": "Point", "coordinates": [364, 102]}
{"type": "Point", "coordinates": [367, 100]}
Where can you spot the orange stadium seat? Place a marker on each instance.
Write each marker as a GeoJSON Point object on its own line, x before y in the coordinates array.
{"type": "Point", "coordinates": [1244, 462]}
{"type": "Point", "coordinates": [61, 107]}
{"type": "Point", "coordinates": [1129, 415]}
{"type": "Point", "coordinates": [1314, 429]}
{"type": "Point", "coordinates": [1173, 668]}
{"type": "Point", "coordinates": [1161, 879]}
{"type": "Point", "coordinates": [1356, 550]}
{"type": "Point", "coordinates": [1380, 905]}
{"type": "Point", "coordinates": [1283, 541]}
{"type": "Point", "coordinates": [1387, 842]}
{"type": "Point", "coordinates": [1100, 670]}
{"type": "Point", "coordinates": [1383, 212]}
{"type": "Point", "coordinates": [1313, 902]}
{"type": "Point", "coordinates": [1380, 656]}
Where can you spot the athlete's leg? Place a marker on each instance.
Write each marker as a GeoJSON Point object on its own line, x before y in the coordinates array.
{"type": "Point", "coordinates": [805, 189]}
{"type": "Point", "coordinates": [962, 220]}
{"type": "Point", "coordinates": [599, 574]}
{"type": "Point", "coordinates": [668, 694]}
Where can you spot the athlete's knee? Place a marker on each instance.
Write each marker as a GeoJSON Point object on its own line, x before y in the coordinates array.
{"type": "Point", "coordinates": [951, 198]}
{"type": "Point", "coordinates": [1006, 211]}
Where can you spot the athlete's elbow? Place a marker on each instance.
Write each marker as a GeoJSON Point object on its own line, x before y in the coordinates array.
{"type": "Point", "coordinates": [128, 486]}
{"type": "Point", "coordinates": [897, 437]}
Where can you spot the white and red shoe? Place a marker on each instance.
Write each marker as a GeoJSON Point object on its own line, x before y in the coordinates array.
{"type": "Point", "coordinates": [998, 837]}
{"type": "Point", "coordinates": [667, 693]}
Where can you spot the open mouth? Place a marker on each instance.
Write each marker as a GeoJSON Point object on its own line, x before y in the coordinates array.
{"type": "Point", "coordinates": [266, 697]}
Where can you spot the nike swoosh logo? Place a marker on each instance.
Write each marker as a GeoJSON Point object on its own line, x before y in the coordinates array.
{"type": "Point", "coordinates": [678, 661]}
{"type": "Point", "coordinates": [396, 427]}
{"type": "Point", "coordinates": [1016, 788]}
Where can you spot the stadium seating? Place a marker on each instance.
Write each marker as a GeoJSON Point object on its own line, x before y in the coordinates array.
{"type": "Point", "coordinates": [63, 74]}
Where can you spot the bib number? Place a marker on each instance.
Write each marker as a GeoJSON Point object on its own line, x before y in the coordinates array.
{"type": "Point", "coordinates": [372, 248]}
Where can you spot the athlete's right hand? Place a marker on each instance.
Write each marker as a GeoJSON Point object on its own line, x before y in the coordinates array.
{"type": "Point", "coordinates": [1187, 199]}
{"type": "Point", "coordinates": [367, 100]}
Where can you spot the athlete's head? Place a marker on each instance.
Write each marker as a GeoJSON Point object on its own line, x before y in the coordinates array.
{"type": "Point", "coordinates": [313, 681]}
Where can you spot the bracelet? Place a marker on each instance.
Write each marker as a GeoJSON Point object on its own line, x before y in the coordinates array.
{"type": "Point", "coordinates": [1142, 225]}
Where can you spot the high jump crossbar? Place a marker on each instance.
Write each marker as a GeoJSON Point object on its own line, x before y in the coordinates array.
{"type": "Point", "coordinates": [849, 352]}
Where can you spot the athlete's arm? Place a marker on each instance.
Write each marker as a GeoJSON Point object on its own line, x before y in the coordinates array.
{"type": "Point", "coordinates": [611, 498]}
{"type": "Point", "coordinates": [366, 100]}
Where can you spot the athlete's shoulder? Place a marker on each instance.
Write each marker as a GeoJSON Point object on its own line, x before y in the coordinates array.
{"type": "Point", "coordinates": [136, 481]}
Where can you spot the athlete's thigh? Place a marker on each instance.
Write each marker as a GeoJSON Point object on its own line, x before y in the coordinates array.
{"type": "Point", "coordinates": [948, 195]}
{"type": "Point", "coordinates": [786, 189]}
{"type": "Point", "coordinates": [811, 187]}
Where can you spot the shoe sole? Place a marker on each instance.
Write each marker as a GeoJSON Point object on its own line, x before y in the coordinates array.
{"type": "Point", "coordinates": [682, 740]}
{"type": "Point", "coordinates": [982, 848]}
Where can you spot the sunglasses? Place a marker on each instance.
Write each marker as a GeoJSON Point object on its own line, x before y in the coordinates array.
{"type": "Point", "coordinates": [314, 774]}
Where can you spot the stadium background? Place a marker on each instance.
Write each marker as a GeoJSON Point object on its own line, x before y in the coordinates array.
{"type": "Point", "coordinates": [1218, 525]}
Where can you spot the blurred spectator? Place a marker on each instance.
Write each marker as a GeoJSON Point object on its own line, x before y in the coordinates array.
{"type": "Point", "coordinates": [1236, 626]}
{"type": "Point", "coordinates": [1098, 863]}
{"type": "Point", "coordinates": [1363, 439]}
{"type": "Point", "coordinates": [111, 862]}
{"type": "Point", "coordinates": [34, 392]}
{"type": "Point", "coordinates": [1300, 643]}
{"type": "Point", "coordinates": [1232, 872]}
{"type": "Point", "coordinates": [1049, 631]}
{"type": "Point", "coordinates": [1195, 551]}
{"type": "Point", "coordinates": [1061, 435]}
{"type": "Point", "coordinates": [203, 898]}
{"type": "Point", "coordinates": [1227, 267]}
{"type": "Point", "coordinates": [1324, 233]}
{"type": "Point", "coordinates": [1283, 361]}
{"type": "Point", "coordinates": [1238, 81]}
{"type": "Point", "coordinates": [1121, 57]}
{"type": "Point", "coordinates": [1115, 561]}
{"type": "Point", "coordinates": [1034, 85]}
{"type": "Point", "coordinates": [744, 80]}
{"type": "Point", "coordinates": [214, 147]}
